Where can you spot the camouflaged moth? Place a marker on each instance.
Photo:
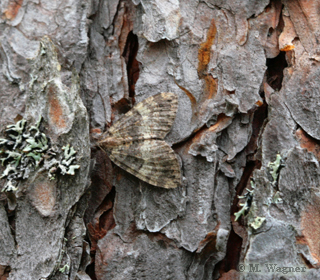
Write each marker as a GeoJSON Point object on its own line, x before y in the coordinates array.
{"type": "Point", "coordinates": [135, 141]}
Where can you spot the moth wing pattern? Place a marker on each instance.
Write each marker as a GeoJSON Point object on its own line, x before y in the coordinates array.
{"type": "Point", "coordinates": [150, 119]}
{"type": "Point", "coordinates": [152, 161]}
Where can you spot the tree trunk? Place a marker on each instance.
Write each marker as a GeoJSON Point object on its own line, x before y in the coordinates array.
{"type": "Point", "coordinates": [246, 135]}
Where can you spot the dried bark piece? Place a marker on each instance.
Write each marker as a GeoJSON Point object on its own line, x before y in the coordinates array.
{"type": "Point", "coordinates": [135, 143]}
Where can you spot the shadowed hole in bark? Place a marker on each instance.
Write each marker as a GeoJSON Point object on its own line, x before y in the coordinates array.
{"type": "Point", "coordinates": [275, 70]}
{"type": "Point", "coordinates": [122, 106]}
{"type": "Point", "coordinates": [129, 54]}
{"type": "Point", "coordinates": [270, 31]}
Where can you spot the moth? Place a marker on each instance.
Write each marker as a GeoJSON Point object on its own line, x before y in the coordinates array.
{"type": "Point", "coordinates": [135, 142]}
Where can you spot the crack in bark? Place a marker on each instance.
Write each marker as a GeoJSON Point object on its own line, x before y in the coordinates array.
{"type": "Point", "coordinates": [129, 53]}
{"type": "Point", "coordinates": [235, 243]}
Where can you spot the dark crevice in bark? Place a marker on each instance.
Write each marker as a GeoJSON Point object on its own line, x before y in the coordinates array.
{"type": "Point", "coordinates": [129, 54]}
{"type": "Point", "coordinates": [233, 254]}
{"type": "Point", "coordinates": [97, 231]}
{"type": "Point", "coordinates": [90, 271]}
{"type": "Point", "coordinates": [276, 65]}
{"type": "Point", "coordinates": [306, 261]}
{"type": "Point", "coordinates": [274, 75]}
{"type": "Point", "coordinates": [12, 223]}
{"type": "Point", "coordinates": [122, 106]}
{"type": "Point", "coordinates": [234, 244]}
{"type": "Point", "coordinates": [106, 220]}
{"type": "Point", "coordinates": [187, 141]}
{"type": "Point", "coordinates": [198, 130]}
{"type": "Point", "coordinates": [101, 177]}
{"type": "Point", "coordinates": [259, 122]}
{"type": "Point", "coordinates": [11, 214]}
{"type": "Point", "coordinates": [252, 151]}
{"type": "Point", "coordinates": [5, 272]}
{"type": "Point", "coordinates": [244, 183]}
{"type": "Point", "coordinates": [275, 70]}
{"type": "Point", "coordinates": [99, 218]}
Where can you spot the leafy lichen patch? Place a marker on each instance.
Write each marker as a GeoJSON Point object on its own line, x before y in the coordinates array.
{"type": "Point", "coordinates": [25, 149]}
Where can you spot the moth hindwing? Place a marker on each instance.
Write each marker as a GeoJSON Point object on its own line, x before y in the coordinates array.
{"type": "Point", "coordinates": [135, 142]}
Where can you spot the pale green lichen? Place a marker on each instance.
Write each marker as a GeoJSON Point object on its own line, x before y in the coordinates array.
{"type": "Point", "coordinates": [65, 269]}
{"type": "Point", "coordinates": [3, 141]}
{"type": "Point", "coordinates": [257, 222]}
{"type": "Point", "coordinates": [64, 164]}
{"type": "Point", "coordinates": [25, 149]}
{"type": "Point", "coordinates": [18, 127]}
{"type": "Point", "coordinates": [274, 168]}
{"type": "Point", "coordinates": [7, 171]}
{"type": "Point", "coordinates": [247, 203]}
{"type": "Point", "coordinates": [67, 160]}
{"type": "Point", "coordinates": [241, 212]}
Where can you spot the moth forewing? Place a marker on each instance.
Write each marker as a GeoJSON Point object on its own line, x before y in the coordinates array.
{"type": "Point", "coordinates": [135, 142]}
{"type": "Point", "coordinates": [152, 161]}
{"type": "Point", "coordinates": [150, 119]}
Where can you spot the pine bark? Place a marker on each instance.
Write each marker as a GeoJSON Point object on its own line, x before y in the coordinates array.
{"type": "Point", "coordinates": [247, 77]}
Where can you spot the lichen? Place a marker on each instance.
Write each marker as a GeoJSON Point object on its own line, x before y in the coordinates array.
{"type": "Point", "coordinates": [257, 222]}
{"type": "Point", "coordinates": [25, 149]}
{"type": "Point", "coordinates": [274, 168]}
{"type": "Point", "coordinates": [64, 164]}
{"type": "Point", "coordinates": [65, 269]}
{"type": "Point", "coordinates": [247, 203]}
{"type": "Point", "coordinates": [248, 207]}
